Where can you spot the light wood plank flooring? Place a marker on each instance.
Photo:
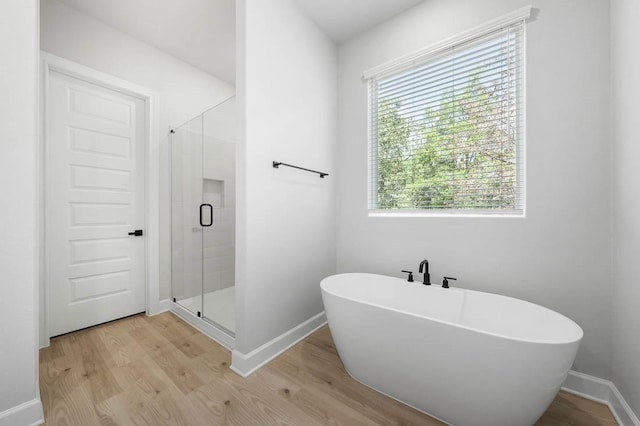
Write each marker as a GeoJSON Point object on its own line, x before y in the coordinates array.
{"type": "Point", "coordinates": [158, 370]}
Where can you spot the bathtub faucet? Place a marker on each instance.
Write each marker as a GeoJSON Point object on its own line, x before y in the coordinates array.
{"type": "Point", "coordinates": [424, 266]}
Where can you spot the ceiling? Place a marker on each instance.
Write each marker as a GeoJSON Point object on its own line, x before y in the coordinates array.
{"type": "Point", "coordinates": [202, 32]}
{"type": "Point", "coordinates": [199, 32]}
{"type": "Point", "coordinates": [343, 19]}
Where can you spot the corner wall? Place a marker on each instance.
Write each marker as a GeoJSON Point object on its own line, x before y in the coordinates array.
{"type": "Point", "coordinates": [19, 391]}
{"type": "Point", "coordinates": [559, 255]}
{"type": "Point", "coordinates": [625, 66]}
{"type": "Point", "coordinates": [286, 217]}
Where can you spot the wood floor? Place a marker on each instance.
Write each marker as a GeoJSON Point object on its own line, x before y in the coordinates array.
{"type": "Point", "coordinates": [158, 370]}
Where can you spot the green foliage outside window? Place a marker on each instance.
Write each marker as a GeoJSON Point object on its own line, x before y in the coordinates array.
{"type": "Point", "coordinates": [459, 153]}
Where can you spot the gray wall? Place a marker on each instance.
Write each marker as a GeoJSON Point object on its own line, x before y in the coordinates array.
{"type": "Point", "coordinates": [558, 255]}
{"type": "Point", "coordinates": [18, 215]}
{"type": "Point", "coordinates": [625, 63]}
{"type": "Point", "coordinates": [286, 218]}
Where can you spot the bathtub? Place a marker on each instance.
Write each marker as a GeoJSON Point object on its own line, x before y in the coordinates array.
{"type": "Point", "coordinates": [462, 356]}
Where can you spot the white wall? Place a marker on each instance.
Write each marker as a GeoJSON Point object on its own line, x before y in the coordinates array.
{"type": "Point", "coordinates": [625, 63]}
{"type": "Point", "coordinates": [559, 255]}
{"type": "Point", "coordinates": [184, 91]}
{"type": "Point", "coordinates": [18, 220]}
{"type": "Point", "coordinates": [286, 218]}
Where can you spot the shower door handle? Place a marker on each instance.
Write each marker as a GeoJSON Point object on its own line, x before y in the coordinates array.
{"type": "Point", "coordinates": [202, 206]}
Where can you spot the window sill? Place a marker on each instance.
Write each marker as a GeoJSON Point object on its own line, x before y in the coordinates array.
{"type": "Point", "coordinates": [518, 214]}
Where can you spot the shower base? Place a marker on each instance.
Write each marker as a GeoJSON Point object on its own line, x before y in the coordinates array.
{"type": "Point", "coordinates": [219, 307]}
{"type": "Point", "coordinates": [218, 321]}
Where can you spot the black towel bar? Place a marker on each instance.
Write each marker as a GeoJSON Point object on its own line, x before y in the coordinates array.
{"type": "Point", "coordinates": [277, 164]}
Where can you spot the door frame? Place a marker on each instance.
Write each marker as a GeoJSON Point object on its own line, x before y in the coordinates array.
{"type": "Point", "coordinates": [150, 98]}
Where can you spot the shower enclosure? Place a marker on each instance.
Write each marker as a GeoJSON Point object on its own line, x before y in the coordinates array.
{"type": "Point", "coordinates": [203, 154]}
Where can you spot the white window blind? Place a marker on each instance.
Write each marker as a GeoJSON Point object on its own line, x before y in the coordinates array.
{"type": "Point", "coordinates": [447, 131]}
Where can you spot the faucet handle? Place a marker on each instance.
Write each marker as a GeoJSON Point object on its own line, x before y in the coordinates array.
{"type": "Point", "coordinates": [445, 281]}
{"type": "Point", "coordinates": [410, 278]}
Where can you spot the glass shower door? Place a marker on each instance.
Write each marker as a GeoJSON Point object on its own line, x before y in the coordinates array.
{"type": "Point", "coordinates": [186, 209]}
{"type": "Point", "coordinates": [203, 201]}
{"type": "Point", "coordinates": [218, 190]}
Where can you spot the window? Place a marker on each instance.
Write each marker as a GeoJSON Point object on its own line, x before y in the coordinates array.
{"type": "Point", "coordinates": [447, 128]}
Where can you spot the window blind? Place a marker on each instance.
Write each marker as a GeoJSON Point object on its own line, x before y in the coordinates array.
{"type": "Point", "coordinates": [447, 132]}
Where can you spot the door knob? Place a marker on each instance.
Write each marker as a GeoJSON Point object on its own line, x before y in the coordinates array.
{"type": "Point", "coordinates": [136, 233]}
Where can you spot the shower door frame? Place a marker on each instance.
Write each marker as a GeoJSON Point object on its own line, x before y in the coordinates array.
{"type": "Point", "coordinates": [207, 326]}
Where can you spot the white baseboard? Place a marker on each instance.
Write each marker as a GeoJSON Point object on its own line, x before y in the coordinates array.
{"type": "Point", "coordinates": [30, 413]}
{"type": "Point", "coordinates": [200, 324]}
{"type": "Point", "coordinates": [603, 391]}
{"type": "Point", "coordinates": [163, 306]}
{"type": "Point", "coordinates": [158, 307]}
{"type": "Point", "coordinates": [245, 364]}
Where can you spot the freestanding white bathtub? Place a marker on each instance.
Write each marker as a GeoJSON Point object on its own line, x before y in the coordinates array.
{"type": "Point", "coordinates": [462, 356]}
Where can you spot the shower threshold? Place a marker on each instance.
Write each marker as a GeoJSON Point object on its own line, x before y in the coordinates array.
{"type": "Point", "coordinates": [218, 321]}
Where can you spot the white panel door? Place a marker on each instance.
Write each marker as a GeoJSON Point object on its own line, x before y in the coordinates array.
{"type": "Point", "coordinates": [94, 198]}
